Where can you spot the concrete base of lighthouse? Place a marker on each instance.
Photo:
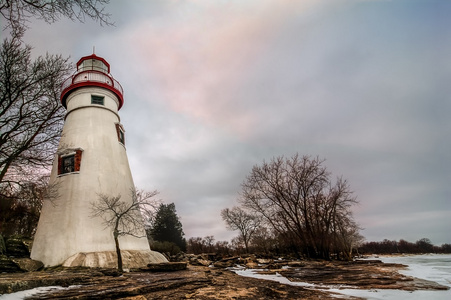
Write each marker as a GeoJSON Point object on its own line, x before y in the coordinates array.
{"type": "Point", "coordinates": [108, 259]}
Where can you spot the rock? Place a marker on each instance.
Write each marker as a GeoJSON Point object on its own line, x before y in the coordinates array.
{"type": "Point", "coordinates": [223, 264]}
{"type": "Point", "coordinates": [198, 282]}
{"type": "Point", "coordinates": [195, 261]}
{"type": "Point", "coordinates": [17, 247]}
{"type": "Point", "coordinates": [7, 265]}
{"type": "Point", "coordinates": [16, 256]}
{"type": "Point", "coordinates": [252, 265]}
{"type": "Point", "coordinates": [14, 265]}
{"type": "Point", "coordinates": [2, 245]}
{"type": "Point", "coordinates": [28, 264]}
{"type": "Point", "coordinates": [165, 267]}
{"type": "Point", "coordinates": [193, 283]}
{"type": "Point", "coordinates": [264, 260]}
{"type": "Point", "coordinates": [179, 257]}
{"type": "Point", "coordinates": [274, 266]}
{"type": "Point", "coordinates": [233, 258]}
{"type": "Point", "coordinates": [296, 264]}
{"type": "Point", "coordinates": [369, 275]}
{"type": "Point", "coordinates": [110, 272]}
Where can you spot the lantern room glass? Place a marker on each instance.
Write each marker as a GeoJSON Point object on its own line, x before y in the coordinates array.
{"type": "Point", "coordinates": [93, 64]}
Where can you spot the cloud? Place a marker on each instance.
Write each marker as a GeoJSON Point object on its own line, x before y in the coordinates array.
{"type": "Point", "coordinates": [410, 226]}
{"type": "Point", "coordinates": [203, 57]}
{"type": "Point", "coordinates": [214, 87]}
{"type": "Point", "coordinates": [334, 81]}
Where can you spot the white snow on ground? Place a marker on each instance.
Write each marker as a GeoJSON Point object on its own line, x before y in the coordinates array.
{"type": "Point", "coordinates": [277, 277]}
{"type": "Point", "coordinates": [32, 292]}
{"type": "Point", "coordinates": [433, 267]}
{"type": "Point", "coordinates": [28, 293]}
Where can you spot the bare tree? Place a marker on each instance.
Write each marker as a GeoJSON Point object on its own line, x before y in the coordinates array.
{"type": "Point", "coordinates": [20, 210]}
{"type": "Point", "coordinates": [298, 199]}
{"type": "Point", "coordinates": [31, 117]}
{"type": "Point", "coordinates": [208, 240]}
{"type": "Point", "coordinates": [263, 240]}
{"type": "Point", "coordinates": [347, 238]}
{"type": "Point", "coordinates": [18, 12]}
{"type": "Point", "coordinates": [195, 245]}
{"type": "Point", "coordinates": [125, 217]}
{"type": "Point", "coordinates": [246, 223]}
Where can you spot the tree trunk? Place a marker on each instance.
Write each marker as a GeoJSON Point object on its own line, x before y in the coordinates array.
{"type": "Point", "coordinates": [118, 251]}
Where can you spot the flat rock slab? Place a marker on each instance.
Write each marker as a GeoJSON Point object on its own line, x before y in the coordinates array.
{"type": "Point", "coordinates": [371, 274]}
{"type": "Point", "coordinates": [28, 265]}
{"type": "Point", "coordinates": [12, 265]}
{"type": "Point", "coordinates": [165, 267]}
{"type": "Point", "coordinates": [196, 282]}
{"type": "Point", "coordinates": [199, 282]}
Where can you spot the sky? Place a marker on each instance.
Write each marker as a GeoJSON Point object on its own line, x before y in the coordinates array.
{"type": "Point", "coordinates": [213, 88]}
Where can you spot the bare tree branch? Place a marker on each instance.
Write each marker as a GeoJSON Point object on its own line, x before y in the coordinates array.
{"type": "Point", "coordinates": [18, 12]}
{"type": "Point", "coordinates": [298, 199]}
{"type": "Point", "coordinates": [20, 205]}
{"type": "Point", "coordinates": [31, 117]}
{"type": "Point", "coordinates": [125, 217]}
{"type": "Point", "coordinates": [246, 223]}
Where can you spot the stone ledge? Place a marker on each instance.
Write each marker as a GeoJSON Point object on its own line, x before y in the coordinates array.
{"type": "Point", "coordinates": [13, 265]}
{"type": "Point", "coordinates": [165, 267]}
{"type": "Point", "coordinates": [108, 259]}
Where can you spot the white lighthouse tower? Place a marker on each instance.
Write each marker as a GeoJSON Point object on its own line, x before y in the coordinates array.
{"type": "Point", "coordinates": [91, 160]}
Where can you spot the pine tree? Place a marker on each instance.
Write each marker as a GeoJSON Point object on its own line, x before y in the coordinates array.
{"type": "Point", "coordinates": [167, 227]}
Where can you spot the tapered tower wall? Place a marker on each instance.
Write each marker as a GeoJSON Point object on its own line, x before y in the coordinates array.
{"type": "Point", "coordinates": [66, 226]}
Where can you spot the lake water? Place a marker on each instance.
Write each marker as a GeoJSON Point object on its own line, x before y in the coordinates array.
{"type": "Point", "coordinates": [433, 267]}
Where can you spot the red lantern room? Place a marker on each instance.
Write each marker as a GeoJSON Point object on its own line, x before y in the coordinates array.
{"type": "Point", "coordinates": [92, 70]}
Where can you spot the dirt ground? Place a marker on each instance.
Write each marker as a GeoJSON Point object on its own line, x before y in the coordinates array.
{"type": "Point", "coordinates": [200, 282]}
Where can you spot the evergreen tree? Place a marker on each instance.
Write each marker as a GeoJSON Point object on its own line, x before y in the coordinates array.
{"type": "Point", "coordinates": [167, 227]}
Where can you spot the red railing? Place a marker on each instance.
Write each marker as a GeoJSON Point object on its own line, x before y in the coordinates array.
{"type": "Point", "coordinates": [91, 76]}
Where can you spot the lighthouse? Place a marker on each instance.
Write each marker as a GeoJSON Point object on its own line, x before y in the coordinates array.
{"type": "Point", "coordinates": [91, 160]}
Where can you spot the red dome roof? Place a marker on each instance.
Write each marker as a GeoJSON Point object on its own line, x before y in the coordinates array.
{"type": "Point", "coordinates": [94, 76]}
{"type": "Point", "coordinates": [93, 56]}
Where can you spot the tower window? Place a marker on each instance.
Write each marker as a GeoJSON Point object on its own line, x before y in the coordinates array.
{"type": "Point", "coordinates": [69, 163]}
{"type": "Point", "coordinates": [121, 137]}
{"type": "Point", "coordinates": [120, 133]}
{"type": "Point", "coordinates": [99, 100]}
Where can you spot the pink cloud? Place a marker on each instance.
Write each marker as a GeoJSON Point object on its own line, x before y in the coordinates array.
{"type": "Point", "coordinates": [205, 52]}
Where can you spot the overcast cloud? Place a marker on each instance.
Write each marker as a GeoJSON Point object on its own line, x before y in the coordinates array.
{"type": "Point", "coordinates": [215, 87]}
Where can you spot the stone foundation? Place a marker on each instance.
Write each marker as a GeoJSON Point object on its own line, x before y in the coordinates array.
{"type": "Point", "coordinates": [108, 259]}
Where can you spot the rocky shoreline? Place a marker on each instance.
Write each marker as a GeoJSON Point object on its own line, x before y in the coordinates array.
{"type": "Point", "coordinates": [198, 281]}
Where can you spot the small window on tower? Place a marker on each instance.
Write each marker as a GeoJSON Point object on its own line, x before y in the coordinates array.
{"type": "Point", "coordinates": [121, 137]}
{"type": "Point", "coordinates": [120, 133]}
{"type": "Point", "coordinates": [99, 100]}
{"type": "Point", "coordinates": [69, 163]}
